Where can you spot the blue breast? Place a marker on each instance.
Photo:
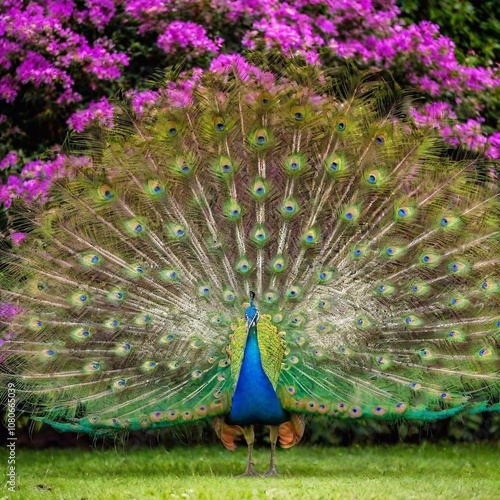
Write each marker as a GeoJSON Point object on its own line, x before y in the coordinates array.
{"type": "Point", "coordinates": [254, 400]}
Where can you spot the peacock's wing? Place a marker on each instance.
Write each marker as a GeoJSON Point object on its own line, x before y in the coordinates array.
{"type": "Point", "coordinates": [372, 251]}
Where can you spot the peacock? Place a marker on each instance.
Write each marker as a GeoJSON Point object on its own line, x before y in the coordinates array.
{"type": "Point", "coordinates": [281, 243]}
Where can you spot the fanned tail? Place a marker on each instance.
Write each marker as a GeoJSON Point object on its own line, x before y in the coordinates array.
{"type": "Point", "coordinates": [374, 253]}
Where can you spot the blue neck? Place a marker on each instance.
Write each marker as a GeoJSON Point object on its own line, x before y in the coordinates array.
{"type": "Point", "coordinates": [254, 399]}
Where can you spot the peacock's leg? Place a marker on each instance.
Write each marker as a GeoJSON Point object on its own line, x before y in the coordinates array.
{"type": "Point", "coordinates": [273, 435]}
{"type": "Point", "coordinates": [249, 438]}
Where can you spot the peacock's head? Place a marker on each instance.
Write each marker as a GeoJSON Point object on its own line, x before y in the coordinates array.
{"type": "Point", "coordinates": [251, 312]}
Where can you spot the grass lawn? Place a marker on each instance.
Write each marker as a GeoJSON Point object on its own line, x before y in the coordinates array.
{"type": "Point", "coordinates": [427, 471]}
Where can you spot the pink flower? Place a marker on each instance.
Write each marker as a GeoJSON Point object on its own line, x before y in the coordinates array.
{"type": "Point", "coordinates": [9, 160]}
{"type": "Point", "coordinates": [8, 310]}
{"type": "Point", "coordinates": [493, 150]}
{"type": "Point", "coordinates": [184, 34]}
{"type": "Point", "coordinates": [18, 238]}
{"type": "Point", "coordinates": [142, 101]}
{"type": "Point", "coordinates": [101, 110]}
{"type": "Point", "coordinates": [9, 88]}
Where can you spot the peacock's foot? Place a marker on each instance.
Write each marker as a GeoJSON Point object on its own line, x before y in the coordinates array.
{"type": "Point", "coordinates": [271, 472]}
{"type": "Point", "coordinates": [249, 473]}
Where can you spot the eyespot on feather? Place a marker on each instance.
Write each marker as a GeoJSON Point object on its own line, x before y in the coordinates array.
{"type": "Point", "coordinates": [154, 188]}
{"type": "Point", "coordinates": [259, 138]}
{"type": "Point", "coordinates": [350, 213]}
{"type": "Point", "coordinates": [259, 235]}
{"type": "Point", "coordinates": [219, 124]}
{"type": "Point", "coordinates": [278, 264]}
{"type": "Point", "coordinates": [335, 165]}
{"type": "Point", "coordinates": [232, 210]}
{"type": "Point", "coordinates": [105, 192]}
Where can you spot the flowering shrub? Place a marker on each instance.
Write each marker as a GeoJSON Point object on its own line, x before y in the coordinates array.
{"type": "Point", "coordinates": [60, 55]}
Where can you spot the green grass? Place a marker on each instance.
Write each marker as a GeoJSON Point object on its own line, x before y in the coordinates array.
{"type": "Point", "coordinates": [427, 471]}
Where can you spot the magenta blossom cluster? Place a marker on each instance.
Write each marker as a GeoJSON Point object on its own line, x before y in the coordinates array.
{"type": "Point", "coordinates": [39, 45]}
{"type": "Point", "coordinates": [101, 111]}
{"type": "Point", "coordinates": [8, 310]}
{"type": "Point", "coordinates": [62, 48]}
{"type": "Point", "coordinates": [440, 115]}
{"type": "Point", "coordinates": [33, 182]}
